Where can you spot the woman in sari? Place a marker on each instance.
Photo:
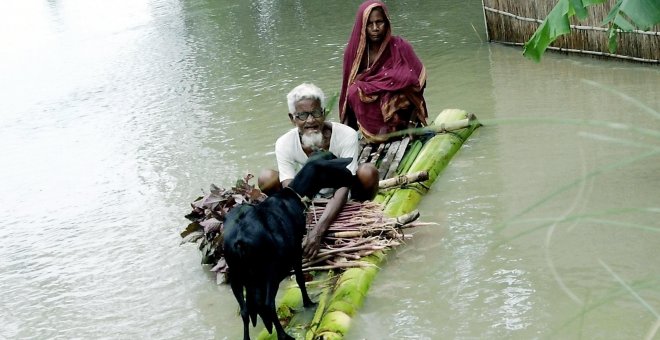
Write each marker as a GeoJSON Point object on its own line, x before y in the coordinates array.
{"type": "Point", "coordinates": [383, 79]}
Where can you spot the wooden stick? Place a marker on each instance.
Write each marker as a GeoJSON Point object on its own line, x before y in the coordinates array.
{"type": "Point", "coordinates": [403, 146]}
{"type": "Point", "coordinates": [345, 234]}
{"type": "Point", "coordinates": [442, 128]}
{"type": "Point", "coordinates": [403, 179]}
{"type": "Point", "coordinates": [324, 252]}
{"type": "Point", "coordinates": [387, 159]}
{"type": "Point", "coordinates": [407, 218]}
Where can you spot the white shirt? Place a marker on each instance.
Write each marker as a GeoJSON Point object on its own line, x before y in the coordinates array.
{"type": "Point", "coordinates": [291, 157]}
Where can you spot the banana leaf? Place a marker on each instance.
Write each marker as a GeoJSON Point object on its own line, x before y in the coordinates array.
{"type": "Point", "coordinates": [625, 15]}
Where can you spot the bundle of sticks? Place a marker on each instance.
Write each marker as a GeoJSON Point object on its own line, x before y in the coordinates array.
{"type": "Point", "coordinates": [359, 230]}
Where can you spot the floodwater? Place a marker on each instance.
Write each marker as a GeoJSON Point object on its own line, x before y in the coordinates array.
{"type": "Point", "coordinates": [114, 115]}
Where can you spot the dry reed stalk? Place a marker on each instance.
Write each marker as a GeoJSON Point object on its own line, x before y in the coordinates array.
{"type": "Point", "coordinates": [360, 230]}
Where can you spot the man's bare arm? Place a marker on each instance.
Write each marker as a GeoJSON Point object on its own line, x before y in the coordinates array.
{"type": "Point", "coordinates": [312, 242]}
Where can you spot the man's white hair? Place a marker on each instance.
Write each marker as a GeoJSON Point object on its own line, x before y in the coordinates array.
{"type": "Point", "coordinates": [304, 91]}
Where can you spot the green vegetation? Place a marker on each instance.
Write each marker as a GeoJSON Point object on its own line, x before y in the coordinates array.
{"type": "Point", "coordinates": [626, 16]}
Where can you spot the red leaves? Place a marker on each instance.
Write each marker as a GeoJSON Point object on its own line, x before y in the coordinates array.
{"type": "Point", "coordinates": [207, 215]}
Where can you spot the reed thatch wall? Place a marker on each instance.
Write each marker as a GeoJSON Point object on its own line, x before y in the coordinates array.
{"type": "Point", "coordinates": [514, 21]}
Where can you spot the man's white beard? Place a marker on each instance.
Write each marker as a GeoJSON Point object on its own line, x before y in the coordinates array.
{"type": "Point", "coordinates": [312, 140]}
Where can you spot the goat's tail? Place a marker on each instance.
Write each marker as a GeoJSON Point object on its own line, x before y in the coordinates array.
{"type": "Point", "coordinates": [264, 309]}
{"type": "Point", "coordinates": [257, 304]}
{"type": "Point", "coordinates": [252, 301]}
{"type": "Point", "coordinates": [252, 295]}
{"type": "Point", "coordinates": [257, 294]}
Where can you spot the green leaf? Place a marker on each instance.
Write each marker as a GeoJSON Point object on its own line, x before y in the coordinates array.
{"type": "Point", "coordinates": [623, 24]}
{"type": "Point", "coordinates": [555, 25]}
{"type": "Point", "coordinates": [643, 13]}
{"type": "Point", "coordinates": [626, 15]}
{"type": "Point", "coordinates": [579, 9]}
{"type": "Point", "coordinates": [611, 41]}
{"type": "Point", "coordinates": [613, 13]}
{"type": "Point", "coordinates": [330, 103]}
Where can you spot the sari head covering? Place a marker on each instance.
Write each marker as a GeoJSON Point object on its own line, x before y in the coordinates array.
{"type": "Point", "coordinates": [371, 98]}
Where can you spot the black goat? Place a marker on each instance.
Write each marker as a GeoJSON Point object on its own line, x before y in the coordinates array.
{"type": "Point", "coordinates": [263, 242]}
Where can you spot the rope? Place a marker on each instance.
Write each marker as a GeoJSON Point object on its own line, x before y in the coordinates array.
{"type": "Point", "coordinates": [304, 200]}
{"type": "Point", "coordinates": [316, 220]}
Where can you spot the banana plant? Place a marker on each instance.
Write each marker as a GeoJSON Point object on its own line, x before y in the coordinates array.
{"type": "Point", "coordinates": [625, 15]}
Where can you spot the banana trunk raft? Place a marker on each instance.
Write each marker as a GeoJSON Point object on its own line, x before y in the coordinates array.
{"type": "Point", "coordinates": [340, 292]}
{"type": "Point", "coordinates": [357, 242]}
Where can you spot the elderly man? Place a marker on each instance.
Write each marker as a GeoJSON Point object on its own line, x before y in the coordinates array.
{"type": "Point", "coordinates": [312, 133]}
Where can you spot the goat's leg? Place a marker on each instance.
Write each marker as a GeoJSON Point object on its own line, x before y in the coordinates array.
{"type": "Point", "coordinates": [271, 291]}
{"type": "Point", "coordinates": [237, 289]}
{"type": "Point", "coordinates": [281, 334]}
{"type": "Point", "coordinates": [300, 279]}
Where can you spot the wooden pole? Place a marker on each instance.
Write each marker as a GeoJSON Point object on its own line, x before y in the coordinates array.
{"type": "Point", "coordinates": [418, 176]}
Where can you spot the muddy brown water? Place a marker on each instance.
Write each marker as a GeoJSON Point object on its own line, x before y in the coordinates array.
{"type": "Point", "coordinates": [115, 115]}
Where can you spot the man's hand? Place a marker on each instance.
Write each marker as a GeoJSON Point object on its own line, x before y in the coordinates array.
{"type": "Point", "coordinates": [311, 244]}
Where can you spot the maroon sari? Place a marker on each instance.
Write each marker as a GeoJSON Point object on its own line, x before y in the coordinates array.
{"type": "Point", "coordinates": [388, 95]}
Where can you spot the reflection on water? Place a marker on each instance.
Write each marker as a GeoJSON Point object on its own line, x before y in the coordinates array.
{"type": "Point", "coordinates": [117, 115]}
{"type": "Point", "coordinates": [537, 209]}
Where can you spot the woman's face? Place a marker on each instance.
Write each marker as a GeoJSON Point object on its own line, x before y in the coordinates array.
{"type": "Point", "coordinates": [376, 25]}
